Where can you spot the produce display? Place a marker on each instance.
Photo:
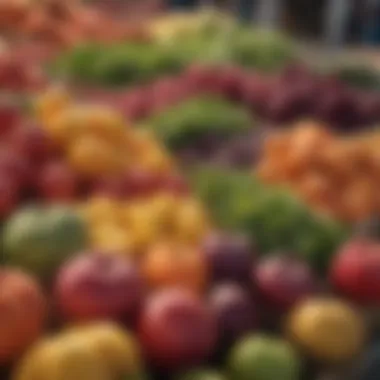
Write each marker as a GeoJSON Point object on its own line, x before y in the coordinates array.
{"type": "Point", "coordinates": [183, 204]}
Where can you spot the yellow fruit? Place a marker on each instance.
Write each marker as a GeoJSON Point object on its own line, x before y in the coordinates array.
{"type": "Point", "coordinates": [113, 238]}
{"type": "Point", "coordinates": [328, 329]}
{"type": "Point", "coordinates": [99, 210]}
{"type": "Point", "coordinates": [117, 348]}
{"type": "Point", "coordinates": [191, 222]}
{"type": "Point", "coordinates": [169, 264]}
{"type": "Point", "coordinates": [68, 125]}
{"type": "Point", "coordinates": [90, 120]}
{"type": "Point", "coordinates": [104, 122]}
{"type": "Point", "coordinates": [50, 104]}
{"type": "Point", "coordinates": [156, 160]}
{"type": "Point", "coordinates": [124, 215]}
{"type": "Point", "coordinates": [91, 156]}
{"type": "Point", "coordinates": [162, 208]}
{"type": "Point", "coordinates": [143, 227]}
{"type": "Point", "coordinates": [143, 140]}
{"type": "Point", "coordinates": [62, 359]}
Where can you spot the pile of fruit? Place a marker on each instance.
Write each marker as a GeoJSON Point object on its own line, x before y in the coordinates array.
{"type": "Point", "coordinates": [337, 175]}
{"type": "Point", "coordinates": [164, 217]}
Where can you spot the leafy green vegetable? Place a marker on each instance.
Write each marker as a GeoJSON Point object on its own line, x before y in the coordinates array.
{"type": "Point", "coordinates": [131, 62]}
{"type": "Point", "coordinates": [77, 63]}
{"type": "Point", "coordinates": [274, 218]}
{"type": "Point", "coordinates": [187, 122]}
{"type": "Point", "coordinates": [117, 64]}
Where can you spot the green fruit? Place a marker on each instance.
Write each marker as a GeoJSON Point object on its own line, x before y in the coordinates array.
{"type": "Point", "coordinates": [202, 374]}
{"type": "Point", "coordinates": [39, 239]}
{"type": "Point", "coordinates": [259, 357]}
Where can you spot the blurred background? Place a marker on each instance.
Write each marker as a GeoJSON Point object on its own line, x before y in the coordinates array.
{"type": "Point", "coordinates": [334, 22]}
{"type": "Point", "coordinates": [330, 25]}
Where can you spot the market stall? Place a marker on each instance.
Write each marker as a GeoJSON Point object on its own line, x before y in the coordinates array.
{"type": "Point", "coordinates": [188, 199]}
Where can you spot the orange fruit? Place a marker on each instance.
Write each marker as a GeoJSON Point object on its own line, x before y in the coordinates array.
{"type": "Point", "coordinates": [91, 156]}
{"type": "Point", "coordinates": [171, 264]}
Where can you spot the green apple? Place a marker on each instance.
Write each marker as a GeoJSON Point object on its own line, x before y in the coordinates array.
{"type": "Point", "coordinates": [260, 357]}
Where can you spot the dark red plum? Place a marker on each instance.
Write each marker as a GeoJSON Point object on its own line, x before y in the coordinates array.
{"type": "Point", "coordinates": [235, 312]}
{"type": "Point", "coordinates": [283, 280]}
{"type": "Point", "coordinates": [229, 256]}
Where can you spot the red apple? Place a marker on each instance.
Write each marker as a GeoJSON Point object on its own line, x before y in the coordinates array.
{"type": "Point", "coordinates": [97, 286]}
{"type": "Point", "coordinates": [284, 280]}
{"type": "Point", "coordinates": [57, 182]}
{"type": "Point", "coordinates": [355, 270]}
{"type": "Point", "coordinates": [176, 329]}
